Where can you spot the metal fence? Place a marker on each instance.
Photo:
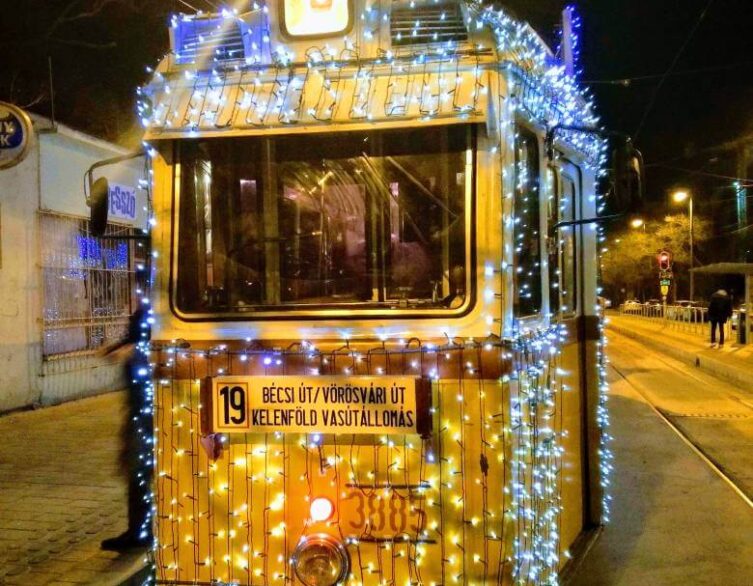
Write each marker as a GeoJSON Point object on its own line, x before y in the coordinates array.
{"type": "Point", "coordinates": [693, 320]}
{"type": "Point", "coordinates": [88, 286]}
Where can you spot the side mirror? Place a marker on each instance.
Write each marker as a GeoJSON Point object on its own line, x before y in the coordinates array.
{"type": "Point", "coordinates": [625, 183]}
{"type": "Point", "coordinates": [628, 179]}
{"type": "Point", "coordinates": [99, 204]}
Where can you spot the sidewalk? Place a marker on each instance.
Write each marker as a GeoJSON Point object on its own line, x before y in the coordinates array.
{"type": "Point", "coordinates": [732, 363]}
{"type": "Point", "coordinates": [674, 521]}
{"type": "Point", "coordinates": [61, 493]}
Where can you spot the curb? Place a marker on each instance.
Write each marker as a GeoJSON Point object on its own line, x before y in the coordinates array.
{"type": "Point", "coordinates": [140, 578]}
{"type": "Point", "coordinates": [134, 575]}
{"type": "Point", "coordinates": [740, 377]}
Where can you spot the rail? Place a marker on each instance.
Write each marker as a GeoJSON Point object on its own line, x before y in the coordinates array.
{"type": "Point", "coordinates": [693, 320]}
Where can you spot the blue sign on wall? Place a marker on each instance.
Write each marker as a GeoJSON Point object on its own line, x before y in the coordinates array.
{"type": "Point", "coordinates": [15, 132]}
{"type": "Point", "coordinates": [122, 202]}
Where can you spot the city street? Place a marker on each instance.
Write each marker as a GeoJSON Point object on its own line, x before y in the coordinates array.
{"type": "Point", "coordinates": [683, 449]}
{"type": "Point", "coordinates": [61, 493]}
{"type": "Point", "coordinates": [328, 292]}
{"type": "Point", "coordinates": [678, 517]}
{"type": "Point", "coordinates": [714, 416]}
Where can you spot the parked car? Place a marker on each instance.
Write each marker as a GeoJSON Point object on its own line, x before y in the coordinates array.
{"type": "Point", "coordinates": [632, 306]}
{"type": "Point", "coordinates": [686, 310]}
{"type": "Point", "coordinates": [654, 307]}
{"type": "Point", "coordinates": [675, 311]}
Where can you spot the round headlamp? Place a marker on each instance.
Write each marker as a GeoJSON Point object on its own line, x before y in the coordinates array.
{"type": "Point", "coordinates": [321, 509]}
{"type": "Point", "coordinates": [320, 560]}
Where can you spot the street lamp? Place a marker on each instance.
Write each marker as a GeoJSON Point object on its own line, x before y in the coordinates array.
{"type": "Point", "coordinates": [638, 223]}
{"type": "Point", "coordinates": [681, 196]}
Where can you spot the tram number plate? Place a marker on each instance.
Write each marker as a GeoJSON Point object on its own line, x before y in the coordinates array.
{"type": "Point", "coordinates": [369, 512]}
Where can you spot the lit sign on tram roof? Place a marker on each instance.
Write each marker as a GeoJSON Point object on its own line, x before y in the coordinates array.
{"type": "Point", "coordinates": [313, 18]}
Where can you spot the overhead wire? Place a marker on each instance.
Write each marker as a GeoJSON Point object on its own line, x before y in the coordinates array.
{"type": "Point", "coordinates": [719, 147]}
{"type": "Point", "coordinates": [217, 7]}
{"type": "Point", "coordinates": [739, 230]}
{"type": "Point", "coordinates": [627, 81]}
{"type": "Point", "coordinates": [189, 6]}
{"type": "Point", "coordinates": [214, 6]}
{"type": "Point", "coordinates": [742, 180]}
{"type": "Point", "coordinates": [671, 68]}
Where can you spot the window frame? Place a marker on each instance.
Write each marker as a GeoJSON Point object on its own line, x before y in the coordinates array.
{"type": "Point", "coordinates": [522, 128]}
{"type": "Point", "coordinates": [552, 240]}
{"type": "Point", "coordinates": [565, 168]}
{"type": "Point", "coordinates": [347, 312]}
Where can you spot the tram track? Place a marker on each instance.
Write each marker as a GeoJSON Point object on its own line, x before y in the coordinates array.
{"type": "Point", "coordinates": [668, 416]}
{"type": "Point", "coordinates": [745, 399]}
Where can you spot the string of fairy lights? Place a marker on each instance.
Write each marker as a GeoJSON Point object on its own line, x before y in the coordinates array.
{"type": "Point", "coordinates": [271, 88]}
{"type": "Point", "coordinates": [432, 477]}
{"type": "Point", "coordinates": [497, 405]}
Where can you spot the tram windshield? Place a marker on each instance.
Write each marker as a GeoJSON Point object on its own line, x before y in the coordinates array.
{"type": "Point", "coordinates": [367, 219]}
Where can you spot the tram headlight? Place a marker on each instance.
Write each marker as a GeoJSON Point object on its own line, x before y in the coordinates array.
{"type": "Point", "coordinates": [320, 560]}
{"type": "Point", "coordinates": [321, 509]}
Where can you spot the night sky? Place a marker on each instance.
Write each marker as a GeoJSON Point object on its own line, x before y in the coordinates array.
{"type": "Point", "coordinates": [98, 62]}
{"type": "Point", "coordinates": [707, 101]}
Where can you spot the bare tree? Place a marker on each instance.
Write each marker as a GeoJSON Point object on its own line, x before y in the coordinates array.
{"type": "Point", "coordinates": [86, 44]}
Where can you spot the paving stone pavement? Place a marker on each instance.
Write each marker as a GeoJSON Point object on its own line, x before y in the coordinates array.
{"type": "Point", "coordinates": [61, 493]}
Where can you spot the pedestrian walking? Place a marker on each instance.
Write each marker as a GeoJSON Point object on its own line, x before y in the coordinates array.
{"type": "Point", "coordinates": [720, 310]}
{"type": "Point", "coordinates": [136, 461]}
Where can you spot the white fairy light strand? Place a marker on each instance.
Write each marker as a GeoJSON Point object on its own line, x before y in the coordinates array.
{"type": "Point", "coordinates": [255, 91]}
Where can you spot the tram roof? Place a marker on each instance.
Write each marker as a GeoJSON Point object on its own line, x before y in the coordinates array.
{"type": "Point", "coordinates": [236, 74]}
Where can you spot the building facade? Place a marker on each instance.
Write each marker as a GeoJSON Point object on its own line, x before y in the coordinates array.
{"type": "Point", "coordinates": [64, 294]}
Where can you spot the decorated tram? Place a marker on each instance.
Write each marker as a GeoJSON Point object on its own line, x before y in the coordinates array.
{"type": "Point", "coordinates": [376, 344]}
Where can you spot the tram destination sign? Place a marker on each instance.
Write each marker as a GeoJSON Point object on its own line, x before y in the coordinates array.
{"type": "Point", "coordinates": [317, 404]}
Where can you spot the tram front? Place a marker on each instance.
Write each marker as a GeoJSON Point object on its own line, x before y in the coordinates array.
{"type": "Point", "coordinates": [360, 374]}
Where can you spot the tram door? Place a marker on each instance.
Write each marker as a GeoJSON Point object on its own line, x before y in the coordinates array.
{"type": "Point", "coordinates": [566, 280]}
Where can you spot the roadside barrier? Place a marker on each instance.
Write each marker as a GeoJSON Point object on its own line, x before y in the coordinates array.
{"type": "Point", "coordinates": [693, 320]}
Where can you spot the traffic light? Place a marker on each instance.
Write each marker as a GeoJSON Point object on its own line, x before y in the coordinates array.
{"type": "Point", "coordinates": [665, 261]}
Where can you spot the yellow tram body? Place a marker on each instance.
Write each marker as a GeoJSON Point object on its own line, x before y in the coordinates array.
{"type": "Point", "coordinates": [497, 475]}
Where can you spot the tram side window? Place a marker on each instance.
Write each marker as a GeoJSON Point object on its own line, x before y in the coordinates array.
{"type": "Point", "coordinates": [368, 219]}
{"type": "Point", "coordinates": [562, 260]}
{"type": "Point", "coordinates": [526, 231]}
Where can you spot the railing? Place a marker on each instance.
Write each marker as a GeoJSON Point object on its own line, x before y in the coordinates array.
{"type": "Point", "coordinates": [88, 286]}
{"type": "Point", "coordinates": [693, 320]}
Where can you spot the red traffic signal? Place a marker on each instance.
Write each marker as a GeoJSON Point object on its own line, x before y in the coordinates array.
{"type": "Point", "coordinates": [665, 260]}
